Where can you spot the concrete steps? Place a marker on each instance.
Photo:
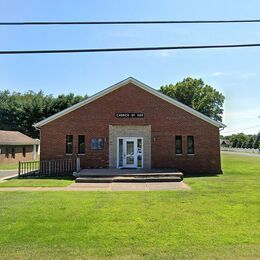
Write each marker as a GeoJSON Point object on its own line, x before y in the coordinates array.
{"type": "Point", "coordinates": [94, 180]}
{"type": "Point", "coordinates": [148, 179]}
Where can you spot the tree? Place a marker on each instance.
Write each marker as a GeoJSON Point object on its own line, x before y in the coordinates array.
{"type": "Point", "coordinates": [239, 143]}
{"type": "Point", "coordinates": [21, 111]}
{"type": "Point", "coordinates": [197, 95]}
{"type": "Point", "coordinates": [257, 141]}
{"type": "Point", "coordinates": [244, 145]}
{"type": "Point", "coordinates": [234, 143]}
{"type": "Point", "coordinates": [250, 142]}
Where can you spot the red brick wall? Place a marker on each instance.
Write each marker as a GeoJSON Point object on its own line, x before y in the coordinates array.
{"type": "Point", "coordinates": [166, 120]}
{"type": "Point", "coordinates": [18, 154]}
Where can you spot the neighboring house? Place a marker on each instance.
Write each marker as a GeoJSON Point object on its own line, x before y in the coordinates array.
{"type": "Point", "coordinates": [131, 125]}
{"type": "Point", "coordinates": [15, 147]}
{"type": "Point", "coordinates": [225, 143]}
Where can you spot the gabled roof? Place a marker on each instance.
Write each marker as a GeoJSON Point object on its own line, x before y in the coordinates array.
{"type": "Point", "coordinates": [140, 85]}
{"type": "Point", "coordinates": [224, 141]}
{"type": "Point", "coordinates": [15, 138]}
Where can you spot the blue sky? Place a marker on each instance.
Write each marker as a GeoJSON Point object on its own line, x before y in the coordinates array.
{"type": "Point", "coordinates": [234, 72]}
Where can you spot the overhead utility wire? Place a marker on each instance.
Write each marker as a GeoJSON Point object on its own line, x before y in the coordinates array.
{"type": "Point", "coordinates": [131, 22]}
{"type": "Point", "coordinates": [248, 128]}
{"type": "Point", "coordinates": [131, 49]}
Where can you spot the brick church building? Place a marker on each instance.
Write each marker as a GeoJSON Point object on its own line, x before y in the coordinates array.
{"type": "Point", "coordinates": [131, 125]}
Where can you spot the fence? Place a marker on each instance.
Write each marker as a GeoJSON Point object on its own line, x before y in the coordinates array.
{"type": "Point", "coordinates": [241, 150]}
{"type": "Point", "coordinates": [51, 168]}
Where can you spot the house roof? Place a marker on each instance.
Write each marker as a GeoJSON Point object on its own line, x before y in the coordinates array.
{"type": "Point", "coordinates": [224, 141]}
{"type": "Point", "coordinates": [140, 85]}
{"type": "Point", "coordinates": [15, 138]}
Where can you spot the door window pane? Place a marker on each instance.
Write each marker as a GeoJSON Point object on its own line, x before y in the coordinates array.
{"type": "Point", "coordinates": [139, 161]}
{"type": "Point", "coordinates": [139, 153]}
{"type": "Point", "coordinates": [120, 151]}
{"type": "Point", "coordinates": [130, 152]}
{"type": "Point", "coordinates": [178, 144]}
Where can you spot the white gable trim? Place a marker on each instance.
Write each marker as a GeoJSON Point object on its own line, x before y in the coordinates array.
{"type": "Point", "coordinates": [138, 84]}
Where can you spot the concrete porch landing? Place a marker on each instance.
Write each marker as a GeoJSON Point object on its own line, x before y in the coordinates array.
{"type": "Point", "coordinates": [128, 175]}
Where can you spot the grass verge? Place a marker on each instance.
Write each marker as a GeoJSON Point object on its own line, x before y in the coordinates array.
{"type": "Point", "coordinates": [8, 166]}
{"type": "Point", "coordinates": [37, 182]}
{"type": "Point", "coordinates": [217, 219]}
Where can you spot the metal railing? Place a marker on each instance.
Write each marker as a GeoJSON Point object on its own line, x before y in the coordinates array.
{"type": "Point", "coordinates": [30, 168]}
{"type": "Point", "coordinates": [51, 168]}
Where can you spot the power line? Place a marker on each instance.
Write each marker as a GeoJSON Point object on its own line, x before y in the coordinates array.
{"type": "Point", "coordinates": [131, 49]}
{"type": "Point", "coordinates": [131, 22]}
{"type": "Point", "coordinates": [248, 128]}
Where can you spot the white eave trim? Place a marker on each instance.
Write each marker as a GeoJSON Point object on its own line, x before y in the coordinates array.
{"type": "Point", "coordinates": [138, 84]}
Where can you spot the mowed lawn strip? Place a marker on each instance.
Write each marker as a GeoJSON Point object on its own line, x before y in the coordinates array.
{"type": "Point", "coordinates": [8, 166]}
{"type": "Point", "coordinates": [36, 182]}
{"type": "Point", "coordinates": [217, 219]}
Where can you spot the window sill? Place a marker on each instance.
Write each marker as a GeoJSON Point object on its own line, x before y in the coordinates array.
{"type": "Point", "coordinates": [191, 154]}
{"type": "Point", "coordinates": [81, 154]}
{"type": "Point", "coordinates": [69, 154]}
{"type": "Point", "coordinates": [179, 154]}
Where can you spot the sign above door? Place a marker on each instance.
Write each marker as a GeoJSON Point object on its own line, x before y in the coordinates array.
{"type": "Point", "coordinates": [129, 115]}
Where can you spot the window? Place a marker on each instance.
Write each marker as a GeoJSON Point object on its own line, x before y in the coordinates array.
{"type": "Point", "coordinates": [120, 148]}
{"type": "Point", "coordinates": [139, 153]}
{"type": "Point", "coordinates": [69, 144]}
{"type": "Point", "coordinates": [190, 144]}
{"type": "Point", "coordinates": [178, 144]}
{"type": "Point", "coordinates": [7, 152]}
{"type": "Point", "coordinates": [81, 144]}
{"type": "Point", "coordinates": [13, 152]}
{"type": "Point", "coordinates": [24, 151]}
{"type": "Point", "coordinates": [97, 143]}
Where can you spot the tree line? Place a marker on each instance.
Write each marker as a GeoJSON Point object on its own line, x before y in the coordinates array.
{"type": "Point", "coordinates": [19, 111]}
{"type": "Point", "coordinates": [243, 141]}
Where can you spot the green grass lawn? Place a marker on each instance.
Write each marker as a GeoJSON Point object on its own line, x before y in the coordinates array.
{"type": "Point", "coordinates": [35, 182]}
{"type": "Point", "coordinates": [217, 219]}
{"type": "Point", "coordinates": [8, 166]}
{"type": "Point", "coordinates": [12, 166]}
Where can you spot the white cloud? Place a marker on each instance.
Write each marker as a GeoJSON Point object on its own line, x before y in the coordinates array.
{"type": "Point", "coordinates": [239, 75]}
{"type": "Point", "coordinates": [247, 75]}
{"type": "Point", "coordinates": [218, 74]}
{"type": "Point", "coordinates": [245, 114]}
{"type": "Point", "coordinates": [164, 53]}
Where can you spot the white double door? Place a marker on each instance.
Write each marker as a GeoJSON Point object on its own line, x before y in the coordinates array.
{"type": "Point", "coordinates": [130, 152]}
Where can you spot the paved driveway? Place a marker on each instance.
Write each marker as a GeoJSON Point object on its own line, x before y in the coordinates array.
{"type": "Point", "coordinates": [7, 173]}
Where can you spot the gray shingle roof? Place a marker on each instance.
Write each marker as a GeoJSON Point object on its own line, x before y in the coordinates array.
{"type": "Point", "coordinates": [15, 138]}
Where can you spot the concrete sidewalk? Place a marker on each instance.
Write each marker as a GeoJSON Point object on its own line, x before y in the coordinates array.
{"type": "Point", "coordinates": [7, 174]}
{"type": "Point", "coordinates": [149, 186]}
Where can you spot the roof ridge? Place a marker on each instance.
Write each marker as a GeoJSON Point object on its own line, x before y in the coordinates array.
{"type": "Point", "coordinates": [138, 84]}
